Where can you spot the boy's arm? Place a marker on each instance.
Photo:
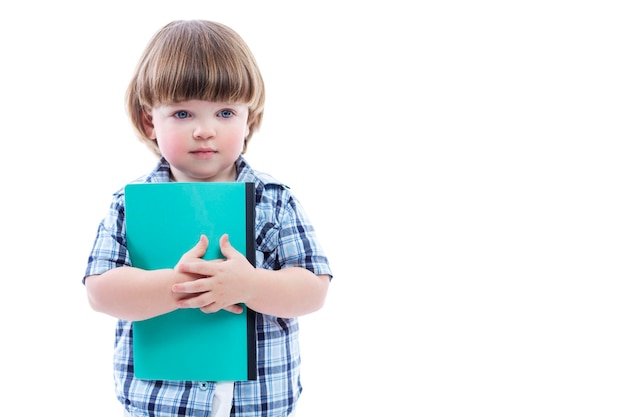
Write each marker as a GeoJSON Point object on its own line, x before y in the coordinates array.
{"type": "Point", "coordinates": [134, 294]}
{"type": "Point", "coordinates": [289, 292]}
{"type": "Point", "coordinates": [131, 293]}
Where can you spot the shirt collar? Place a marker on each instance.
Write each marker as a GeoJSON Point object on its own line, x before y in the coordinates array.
{"type": "Point", "coordinates": [161, 172]}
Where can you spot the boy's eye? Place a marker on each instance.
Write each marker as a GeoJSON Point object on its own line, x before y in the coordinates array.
{"type": "Point", "coordinates": [225, 113]}
{"type": "Point", "coordinates": [181, 114]}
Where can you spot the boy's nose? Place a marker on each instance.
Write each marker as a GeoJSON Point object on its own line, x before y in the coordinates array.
{"type": "Point", "coordinates": [203, 131]}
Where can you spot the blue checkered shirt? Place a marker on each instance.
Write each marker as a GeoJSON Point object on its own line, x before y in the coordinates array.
{"type": "Point", "coordinates": [284, 238]}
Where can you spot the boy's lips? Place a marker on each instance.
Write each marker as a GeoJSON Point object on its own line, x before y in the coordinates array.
{"type": "Point", "coordinates": [203, 152]}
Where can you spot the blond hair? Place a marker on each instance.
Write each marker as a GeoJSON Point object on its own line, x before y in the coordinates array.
{"type": "Point", "coordinates": [195, 59]}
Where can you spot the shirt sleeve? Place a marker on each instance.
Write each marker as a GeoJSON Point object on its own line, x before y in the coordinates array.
{"type": "Point", "coordinates": [109, 249]}
{"type": "Point", "coordinates": [298, 243]}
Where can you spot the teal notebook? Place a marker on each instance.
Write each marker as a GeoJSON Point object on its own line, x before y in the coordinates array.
{"type": "Point", "coordinates": [163, 221]}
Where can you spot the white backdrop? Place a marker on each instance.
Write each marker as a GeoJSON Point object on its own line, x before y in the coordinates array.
{"type": "Point", "coordinates": [463, 163]}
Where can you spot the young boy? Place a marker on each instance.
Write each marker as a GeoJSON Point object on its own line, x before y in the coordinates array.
{"type": "Point", "coordinates": [195, 100]}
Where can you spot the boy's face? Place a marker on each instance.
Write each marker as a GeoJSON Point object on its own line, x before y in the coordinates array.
{"type": "Point", "coordinates": [200, 139]}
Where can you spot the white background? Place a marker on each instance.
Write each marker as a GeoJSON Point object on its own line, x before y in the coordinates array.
{"type": "Point", "coordinates": [463, 163]}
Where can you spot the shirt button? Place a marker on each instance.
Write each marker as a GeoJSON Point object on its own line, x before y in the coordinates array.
{"type": "Point", "coordinates": [204, 386]}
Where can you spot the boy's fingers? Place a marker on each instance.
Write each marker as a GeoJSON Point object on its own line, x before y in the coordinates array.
{"type": "Point", "coordinates": [235, 308]}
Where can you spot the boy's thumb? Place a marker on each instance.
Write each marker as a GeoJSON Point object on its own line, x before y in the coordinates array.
{"type": "Point", "coordinates": [200, 247]}
{"type": "Point", "coordinates": [225, 246]}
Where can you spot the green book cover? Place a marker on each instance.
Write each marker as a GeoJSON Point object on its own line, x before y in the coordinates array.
{"type": "Point", "coordinates": [163, 221]}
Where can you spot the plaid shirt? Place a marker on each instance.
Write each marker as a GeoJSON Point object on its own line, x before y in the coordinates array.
{"type": "Point", "coordinates": [284, 238]}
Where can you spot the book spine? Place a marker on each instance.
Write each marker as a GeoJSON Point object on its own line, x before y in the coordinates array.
{"type": "Point", "coordinates": [251, 256]}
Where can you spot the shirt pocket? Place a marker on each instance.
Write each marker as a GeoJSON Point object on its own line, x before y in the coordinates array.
{"type": "Point", "coordinates": [266, 245]}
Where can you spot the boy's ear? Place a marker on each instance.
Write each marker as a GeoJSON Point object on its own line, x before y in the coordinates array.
{"type": "Point", "coordinates": [148, 127]}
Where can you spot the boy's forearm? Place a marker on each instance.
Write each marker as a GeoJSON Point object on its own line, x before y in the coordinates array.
{"type": "Point", "coordinates": [287, 293]}
{"type": "Point", "coordinates": [132, 294]}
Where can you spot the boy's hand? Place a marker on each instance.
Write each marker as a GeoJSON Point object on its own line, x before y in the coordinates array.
{"type": "Point", "coordinates": [219, 284]}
